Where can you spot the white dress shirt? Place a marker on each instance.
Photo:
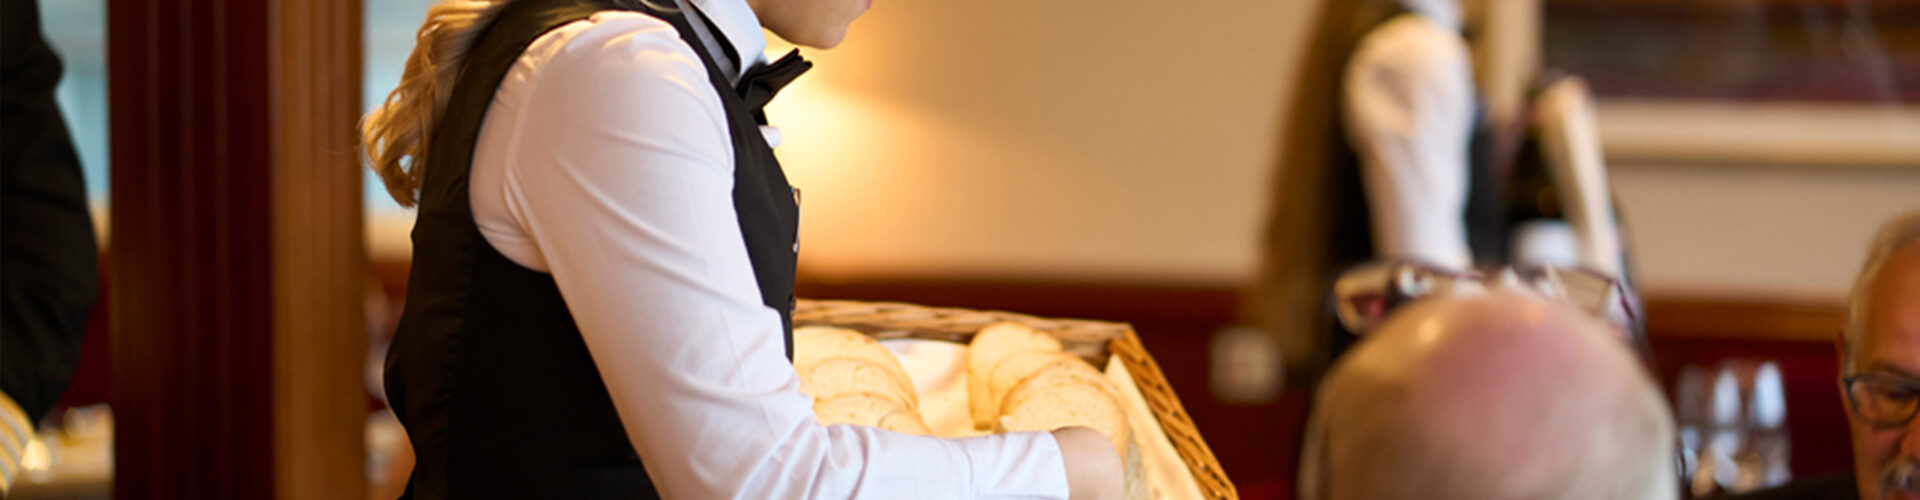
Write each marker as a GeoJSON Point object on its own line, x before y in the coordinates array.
{"type": "Point", "coordinates": [605, 160]}
{"type": "Point", "coordinates": [1408, 113]}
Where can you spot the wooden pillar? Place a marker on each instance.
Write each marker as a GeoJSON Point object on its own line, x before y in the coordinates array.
{"type": "Point", "coordinates": [236, 251]}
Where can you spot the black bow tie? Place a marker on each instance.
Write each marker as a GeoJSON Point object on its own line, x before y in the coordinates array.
{"type": "Point", "coordinates": [758, 86]}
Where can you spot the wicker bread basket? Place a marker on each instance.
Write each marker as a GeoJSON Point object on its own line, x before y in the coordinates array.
{"type": "Point", "coordinates": [1094, 341]}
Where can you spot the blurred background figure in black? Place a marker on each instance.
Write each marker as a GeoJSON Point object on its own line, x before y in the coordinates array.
{"type": "Point", "coordinates": [47, 252]}
{"type": "Point", "coordinates": [1424, 131]}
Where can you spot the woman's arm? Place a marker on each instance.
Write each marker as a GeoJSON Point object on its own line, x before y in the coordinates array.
{"type": "Point", "coordinates": [618, 174]}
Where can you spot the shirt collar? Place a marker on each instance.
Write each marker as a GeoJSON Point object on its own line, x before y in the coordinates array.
{"type": "Point", "coordinates": [740, 27]}
{"type": "Point", "coordinates": [1445, 13]}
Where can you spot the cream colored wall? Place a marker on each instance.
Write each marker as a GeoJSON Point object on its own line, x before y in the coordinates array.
{"type": "Point", "coordinates": [1051, 140]}
{"type": "Point", "coordinates": [1776, 199]}
{"type": "Point", "coordinates": [1045, 139]}
{"type": "Point", "coordinates": [1115, 141]}
{"type": "Point", "coordinates": [1757, 231]}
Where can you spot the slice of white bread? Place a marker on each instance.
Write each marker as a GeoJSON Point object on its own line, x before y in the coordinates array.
{"type": "Point", "coordinates": [1015, 369]}
{"type": "Point", "coordinates": [1071, 393]}
{"type": "Point", "coordinates": [836, 376]}
{"type": "Point", "coordinates": [869, 409]}
{"type": "Point", "coordinates": [813, 345]}
{"type": "Point", "coordinates": [858, 408]}
{"type": "Point", "coordinates": [855, 380]}
{"type": "Point", "coordinates": [906, 422]}
{"type": "Point", "coordinates": [1064, 394]}
{"type": "Point", "coordinates": [991, 345]}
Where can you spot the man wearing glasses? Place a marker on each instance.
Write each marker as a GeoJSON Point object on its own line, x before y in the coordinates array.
{"type": "Point", "coordinates": [1880, 375]}
{"type": "Point", "coordinates": [1880, 365]}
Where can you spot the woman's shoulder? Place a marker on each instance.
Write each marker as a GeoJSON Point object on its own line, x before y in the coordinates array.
{"type": "Point", "coordinates": [1412, 40]}
{"type": "Point", "coordinates": [613, 42]}
{"type": "Point", "coordinates": [596, 83]}
{"type": "Point", "coordinates": [609, 69]}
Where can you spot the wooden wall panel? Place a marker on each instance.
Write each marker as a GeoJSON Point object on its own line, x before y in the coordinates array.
{"type": "Point", "coordinates": [319, 341]}
{"type": "Point", "coordinates": [235, 212]}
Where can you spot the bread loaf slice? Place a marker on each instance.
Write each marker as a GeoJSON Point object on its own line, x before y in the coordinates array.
{"type": "Point", "coordinates": [813, 345]}
{"type": "Point", "coordinates": [855, 380]}
{"type": "Point", "coordinates": [836, 376]}
{"type": "Point", "coordinates": [858, 408]}
{"type": "Point", "coordinates": [869, 409]}
{"type": "Point", "coordinates": [1011, 371]}
{"type": "Point", "coordinates": [1063, 395]}
{"type": "Point", "coordinates": [990, 346]}
{"type": "Point", "coordinates": [906, 422]}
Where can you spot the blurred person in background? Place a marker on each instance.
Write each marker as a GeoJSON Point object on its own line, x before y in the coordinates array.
{"type": "Point", "coordinates": [48, 256]}
{"type": "Point", "coordinates": [1404, 142]}
{"type": "Point", "coordinates": [1879, 376]}
{"type": "Point", "coordinates": [1499, 396]}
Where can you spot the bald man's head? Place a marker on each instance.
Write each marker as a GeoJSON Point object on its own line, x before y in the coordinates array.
{"type": "Point", "coordinates": [1497, 397]}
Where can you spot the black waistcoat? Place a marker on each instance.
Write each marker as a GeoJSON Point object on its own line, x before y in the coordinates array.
{"type": "Point", "coordinates": [488, 370]}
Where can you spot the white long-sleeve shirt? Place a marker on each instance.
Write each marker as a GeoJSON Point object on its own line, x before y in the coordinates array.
{"type": "Point", "coordinates": [1408, 112]}
{"type": "Point", "coordinates": [605, 160]}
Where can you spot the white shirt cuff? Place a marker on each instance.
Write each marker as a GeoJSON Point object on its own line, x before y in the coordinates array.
{"type": "Point", "coordinates": [1015, 465]}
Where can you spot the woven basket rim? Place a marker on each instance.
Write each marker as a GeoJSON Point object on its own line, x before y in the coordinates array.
{"type": "Point", "coordinates": [1093, 340]}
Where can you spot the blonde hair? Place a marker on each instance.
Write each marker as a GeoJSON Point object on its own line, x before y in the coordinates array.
{"type": "Point", "coordinates": [1304, 225]}
{"type": "Point", "coordinates": [397, 134]}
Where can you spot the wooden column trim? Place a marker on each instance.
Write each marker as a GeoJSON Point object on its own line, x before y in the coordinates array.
{"type": "Point", "coordinates": [320, 337]}
{"type": "Point", "coordinates": [237, 336]}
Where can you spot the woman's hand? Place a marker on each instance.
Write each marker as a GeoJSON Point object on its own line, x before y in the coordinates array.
{"type": "Point", "coordinates": [1093, 467]}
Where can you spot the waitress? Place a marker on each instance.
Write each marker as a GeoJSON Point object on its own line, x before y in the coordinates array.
{"type": "Point", "coordinates": [603, 269]}
{"type": "Point", "coordinates": [1390, 156]}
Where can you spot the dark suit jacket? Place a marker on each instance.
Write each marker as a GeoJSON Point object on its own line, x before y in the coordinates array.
{"type": "Point", "coordinates": [1819, 488]}
{"type": "Point", "coordinates": [47, 251]}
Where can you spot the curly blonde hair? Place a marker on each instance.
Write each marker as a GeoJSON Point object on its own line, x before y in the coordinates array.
{"type": "Point", "coordinates": [396, 134]}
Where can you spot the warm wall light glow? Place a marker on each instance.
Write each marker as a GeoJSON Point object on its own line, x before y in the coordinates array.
{"type": "Point", "coordinates": [841, 150]}
{"type": "Point", "coordinates": [824, 132]}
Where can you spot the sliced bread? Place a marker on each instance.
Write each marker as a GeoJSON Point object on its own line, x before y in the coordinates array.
{"type": "Point", "coordinates": [869, 409]}
{"type": "Point", "coordinates": [859, 408]}
{"type": "Point", "coordinates": [1010, 371]}
{"type": "Point", "coordinates": [906, 422]}
{"type": "Point", "coordinates": [814, 344]}
{"type": "Point", "coordinates": [990, 346]}
{"type": "Point", "coordinates": [835, 376]}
